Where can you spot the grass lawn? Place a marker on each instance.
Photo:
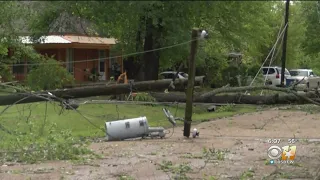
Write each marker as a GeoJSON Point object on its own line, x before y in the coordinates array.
{"type": "Point", "coordinates": [16, 116]}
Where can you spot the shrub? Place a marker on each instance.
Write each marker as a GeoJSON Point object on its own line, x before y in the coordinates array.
{"type": "Point", "coordinates": [146, 97]}
{"type": "Point", "coordinates": [45, 76]}
{"type": "Point", "coordinates": [41, 145]}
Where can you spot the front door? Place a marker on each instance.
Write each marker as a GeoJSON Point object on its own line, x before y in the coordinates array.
{"type": "Point", "coordinates": [102, 59]}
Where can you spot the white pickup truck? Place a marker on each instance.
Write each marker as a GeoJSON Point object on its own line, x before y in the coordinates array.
{"type": "Point", "coordinates": [307, 78]}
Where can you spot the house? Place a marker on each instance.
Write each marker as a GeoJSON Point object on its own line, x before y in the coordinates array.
{"type": "Point", "coordinates": [71, 40]}
{"type": "Point", "coordinates": [81, 55]}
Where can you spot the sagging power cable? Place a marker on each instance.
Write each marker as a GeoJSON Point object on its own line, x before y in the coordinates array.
{"type": "Point", "coordinates": [272, 49]}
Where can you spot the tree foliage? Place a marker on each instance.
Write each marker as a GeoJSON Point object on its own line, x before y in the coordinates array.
{"type": "Point", "coordinates": [46, 77]}
{"type": "Point", "coordinates": [312, 17]}
{"type": "Point", "coordinates": [233, 26]}
{"type": "Point", "coordinates": [250, 28]}
{"type": "Point", "coordinates": [12, 23]}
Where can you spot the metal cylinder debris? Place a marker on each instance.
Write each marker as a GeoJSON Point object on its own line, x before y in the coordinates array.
{"type": "Point", "coordinates": [127, 129]}
{"type": "Point", "coordinates": [156, 132]}
{"type": "Point", "coordinates": [135, 128]}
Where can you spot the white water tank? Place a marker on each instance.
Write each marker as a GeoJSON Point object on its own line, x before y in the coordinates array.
{"type": "Point", "coordinates": [127, 128]}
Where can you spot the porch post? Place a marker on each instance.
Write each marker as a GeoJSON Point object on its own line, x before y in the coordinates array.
{"type": "Point", "coordinates": [121, 63]}
{"type": "Point", "coordinates": [59, 55]}
{"type": "Point", "coordinates": [106, 64]}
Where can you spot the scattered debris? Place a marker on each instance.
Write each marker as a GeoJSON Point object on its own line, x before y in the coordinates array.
{"type": "Point", "coordinates": [137, 128]}
{"type": "Point", "coordinates": [195, 133]}
{"type": "Point", "coordinates": [212, 108]}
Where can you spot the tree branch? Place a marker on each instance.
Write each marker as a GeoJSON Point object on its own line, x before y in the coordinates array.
{"type": "Point", "coordinates": [244, 88]}
{"type": "Point", "coordinates": [248, 88]}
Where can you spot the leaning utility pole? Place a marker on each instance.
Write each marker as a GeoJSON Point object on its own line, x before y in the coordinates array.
{"type": "Point", "coordinates": [284, 45]}
{"type": "Point", "coordinates": [190, 87]}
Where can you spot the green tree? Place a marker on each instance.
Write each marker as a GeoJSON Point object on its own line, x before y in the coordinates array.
{"type": "Point", "coordinates": [12, 22]}
{"type": "Point", "coordinates": [312, 14]}
{"type": "Point", "coordinates": [144, 26]}
{"type": "Point", "coordinates": [248, 27]}
{"type": "Point", "coordinates": [295, 37]}
{"type": "Point", "coordinates": [48, 75]}
{"type": "Point", "coordinates": [311, 42]}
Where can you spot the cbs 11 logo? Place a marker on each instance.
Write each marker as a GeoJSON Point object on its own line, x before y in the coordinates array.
{"type": "Point", "coordinates": [285, 153]}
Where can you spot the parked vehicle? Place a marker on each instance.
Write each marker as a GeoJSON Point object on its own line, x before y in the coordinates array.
{"type": "Point", "coordinates": [273, 75]}
{"type": "Point", "coordinates": [302, 75]}
{"type": "Point", "coordinates": [171, 74]}
{"type": "Point", "coordinates": [181, 75]}
{"type": "Point", "coordinates": [306, 77]}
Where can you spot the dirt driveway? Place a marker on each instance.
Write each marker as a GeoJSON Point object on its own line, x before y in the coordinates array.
{"type": "Point", "coordinates": [229, 148]}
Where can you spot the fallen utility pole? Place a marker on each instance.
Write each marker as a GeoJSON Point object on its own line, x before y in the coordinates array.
{"type": "Point", "coordinates": [83, 92]}
{"type": "Point", "coordinates": [191, 73]}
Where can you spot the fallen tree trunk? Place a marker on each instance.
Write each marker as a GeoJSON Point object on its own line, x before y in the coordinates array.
{"type": "Point", "coordinates": [238, 98]}
{"type": "Point", "coordinates": [82, 92]}
{"type": "Point", "coordinates": [103, 83]}
{"type": "Point", "coordinates": [289, 90]}
{"type": "Point", "coordinates": [160, 85]}
{"type": "Point", "coordinates": [88, 84]}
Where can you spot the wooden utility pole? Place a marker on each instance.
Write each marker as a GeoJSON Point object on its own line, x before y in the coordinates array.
{"type": "Point", "coordinates": [190, 87]}
{"type": "Point", "coordinates": [284, 45]}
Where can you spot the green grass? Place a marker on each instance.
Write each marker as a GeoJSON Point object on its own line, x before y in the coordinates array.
{"type": "Point", "coordinates": [98, 114]}
{"type": "Point", "coordinates": [64, 137]}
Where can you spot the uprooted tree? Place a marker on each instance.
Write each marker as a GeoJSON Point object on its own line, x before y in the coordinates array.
{"type": "Point", "coordinates": [213, 96]}
{"type": "Point", "coordinates": [292, 96]}
{"type": "Point", "coordinates": [112, 89]}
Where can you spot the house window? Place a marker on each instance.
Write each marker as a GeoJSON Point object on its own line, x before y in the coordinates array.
{"type": "Point", "coordinates": [30, 65]}
{"type": "Point", "coordinates": [18, 68]}
{"type": "Point", "coordinates": [102, 58]}
{"type": "Point", "coordinates": [69, 58]}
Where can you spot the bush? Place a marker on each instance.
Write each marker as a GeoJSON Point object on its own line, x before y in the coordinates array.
{"type": "Point", "coordinates": [5, 73]}
{"type": "Point", "coordinates": [41, 145]}
{"type": "Point", "coordinates": [146, 97]}
{"type": "Point", "coordinates": [231, 73]}
{"type": "Point", "coordinates": [45, 77]}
